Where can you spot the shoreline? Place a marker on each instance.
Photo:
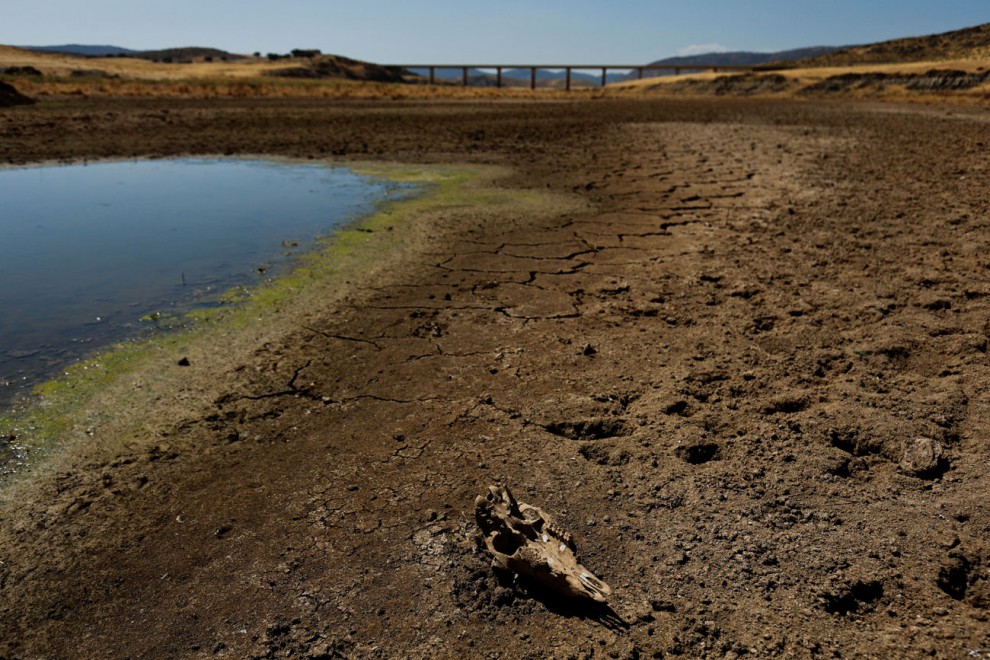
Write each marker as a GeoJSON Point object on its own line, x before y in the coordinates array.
{"type": "Point", "coordinates": [41, 421]}
{"type": "Point", "coordinates": [176, 312]}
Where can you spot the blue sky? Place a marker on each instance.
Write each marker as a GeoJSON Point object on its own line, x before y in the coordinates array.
{"type": "Point", "coordinates": [467, 31]}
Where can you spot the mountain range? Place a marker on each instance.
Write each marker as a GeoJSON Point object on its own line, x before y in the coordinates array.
{"type": "Point", "coordinates": [745, 58]}
{"type": "Point", "coordinates": [86, 51]}
{"type": "Point", "coordinates": [186, 54]}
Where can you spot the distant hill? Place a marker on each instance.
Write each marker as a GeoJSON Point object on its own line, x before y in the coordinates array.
{"type": "Point", "coordinates": [745, 58]}
{"type": "Point", "coordinates": [968, 43]}
{"type": "Point", "coordinates": [178, 55]}
{"type": "Point", "coordinates": [448, 72]}
{"type": "Point", "coordinates": [335, 66]}
{"type": "Point", "coordinates": [546, 75]}
{"type": "Point", "coordinates": [87, 51]}
{"type": "Point", "coordinates": [738, 58]}
{"type": "Point", "coordinates": [187, 54]}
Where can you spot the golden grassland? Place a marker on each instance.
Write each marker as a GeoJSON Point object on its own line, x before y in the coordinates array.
{"type": "Point", "coordinates": [811, 75]}
{"type": "Point", "coordinates": [67, 75]}
{"type": "Point", "coordinates": [58, 65]}
{"type": "Point", "coordinates": [801, 78]}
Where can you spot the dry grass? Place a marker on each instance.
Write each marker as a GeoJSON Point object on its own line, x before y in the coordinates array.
{"type": "Point", "coordinates": [59, 65]}
{"type": "Point", "coordinates": [812, 75]}
{"type": "Point", "coordinates": [118, 76]}
{"type": "Point", "coordinates": [801, 78]}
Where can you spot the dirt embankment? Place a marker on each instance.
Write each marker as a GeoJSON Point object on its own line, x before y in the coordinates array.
{"type": "Point", "coordinates": [933, 85]}
{"type": "Point", "coordinates": [748, 371]}
{"type": "Point", "coordinates": [936, 81]}
{"type": "Point", "coordinates": [335, 66]}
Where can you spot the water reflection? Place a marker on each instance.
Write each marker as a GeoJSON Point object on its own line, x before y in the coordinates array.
{"type": "Point", "coordinates": [86, 251]}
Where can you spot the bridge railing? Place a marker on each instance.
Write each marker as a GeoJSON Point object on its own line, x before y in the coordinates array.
{"type": "Point", "coordinates": [642, 71]}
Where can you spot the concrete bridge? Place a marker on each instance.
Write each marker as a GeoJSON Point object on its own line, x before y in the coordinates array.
{"type": "Point", "coordinates": [641, 70]}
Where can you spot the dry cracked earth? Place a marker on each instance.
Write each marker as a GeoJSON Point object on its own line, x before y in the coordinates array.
{"type": "Point", "coordinates": [747, 368]}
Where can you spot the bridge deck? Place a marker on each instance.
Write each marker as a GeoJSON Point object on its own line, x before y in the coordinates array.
{"type": "Point", "coordinates": [640, 69]}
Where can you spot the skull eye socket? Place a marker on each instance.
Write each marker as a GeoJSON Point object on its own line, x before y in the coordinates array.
{"type": "Point", "coordinates": [491, 497]}
{"type": "Point", "coordinates": [506, 544]}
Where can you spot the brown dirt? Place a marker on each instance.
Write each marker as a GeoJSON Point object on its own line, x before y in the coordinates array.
{"type": "Point", "coordinates": [710, 375]}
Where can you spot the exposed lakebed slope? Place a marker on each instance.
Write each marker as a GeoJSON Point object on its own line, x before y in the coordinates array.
{"type": "Point", "coordinates": [745, 366]}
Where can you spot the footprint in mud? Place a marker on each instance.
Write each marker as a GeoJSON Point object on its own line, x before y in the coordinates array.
{"type": "Point", "coordinates": [596, 453]}
{"type": "Point", "coordinates": [698, 453]}
{"type": "Point", "coordinates": [851, 597]}
{"type": "Point", "coordinates": [963, 576]}
{"type": "Point", "coordinates": [589, 429]}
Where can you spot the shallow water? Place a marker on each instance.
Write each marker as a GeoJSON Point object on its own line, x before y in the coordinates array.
{"type": "Point", "coordinates": [87, 251]}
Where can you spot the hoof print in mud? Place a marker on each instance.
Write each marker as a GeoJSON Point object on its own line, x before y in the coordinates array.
{"type": "Point", "coordinates": [589, 429]}
{"type": "Point", "coordinates": [596, 453]}
{"type": "Point", "coordinates": [963, 577]}
{"type": "Point", "coordinates": [787, 404]}
{"type": "Point", "coordinates": [697, 453]}
{"type": "Point", "coordinates": [852, 597]}
{"type": "Point", "coordinates": [525, 541]}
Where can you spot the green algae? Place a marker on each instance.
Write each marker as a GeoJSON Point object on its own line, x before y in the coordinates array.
{"type": "Point", "coordinates": [117, 388]}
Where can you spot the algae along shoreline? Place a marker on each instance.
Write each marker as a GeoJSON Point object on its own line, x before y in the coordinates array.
{"type": "Point", "coordinates": [100, 253]}
{"type": "Point", "coordinates": [124, 395]}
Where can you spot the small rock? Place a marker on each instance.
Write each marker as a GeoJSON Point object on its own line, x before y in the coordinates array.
{"type": "Point", "coordinates": [184, 362]}
{"type": "Point", "coordinates": [923, 457]}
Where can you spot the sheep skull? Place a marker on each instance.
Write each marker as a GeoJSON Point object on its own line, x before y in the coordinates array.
{"type": "Point", "coordinates": [524, 540]}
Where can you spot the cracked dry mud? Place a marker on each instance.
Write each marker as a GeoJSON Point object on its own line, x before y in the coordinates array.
{"type": "Point", "coordinates": [710, 369]}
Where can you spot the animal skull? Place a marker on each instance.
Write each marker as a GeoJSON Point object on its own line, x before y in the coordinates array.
{"type": "Point", "coordinates": [523, 539]}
